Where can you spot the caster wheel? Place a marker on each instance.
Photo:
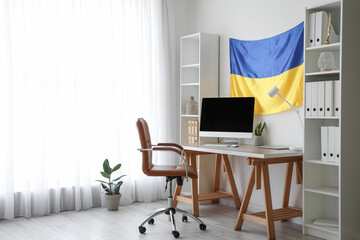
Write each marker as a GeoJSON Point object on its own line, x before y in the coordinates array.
{"type": "Point", "coordinates": [142, 229]}
{"type": "Point", "coordinates": [176, 234]}
{"type": "Point", "coordinates": [151, 221]}
{"type": "Point", "coordinates": [202, 226]}
{"type": "Point", "coordinates": [184, 218]}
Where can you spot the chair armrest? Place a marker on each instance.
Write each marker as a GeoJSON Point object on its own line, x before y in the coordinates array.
{"type": "Point", "coordinates": [156, 148]}
{"type": "Point", "coordinates": [171, 145]}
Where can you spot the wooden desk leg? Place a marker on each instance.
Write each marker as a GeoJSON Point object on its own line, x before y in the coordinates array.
{"type": "Point", "coordinates": [246, 200]}
{"type": "Point", "coordinates": [194, 189]}
{"type": "Point", "coordinates": [287, 186]}
{"type": "Point", "coordinates": [195, 197]}
{"type": "Point", "coordinates": [231, 181]}
{"type": "Point", "coordinates": [268, 202]}
{"type": "Point", "coordinates": [217, 175]}
{"type": "Point", "coordinates": [177, 193]}
{"type": "Point", "coordinates": [298, 172]}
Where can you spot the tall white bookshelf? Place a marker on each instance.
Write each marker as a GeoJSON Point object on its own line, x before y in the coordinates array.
{"type": "Point", "coordinates": [199, 66]}
{"type": "Point", "coordinates": [330, 190]}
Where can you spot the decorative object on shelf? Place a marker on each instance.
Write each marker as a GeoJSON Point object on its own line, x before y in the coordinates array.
{"type": "Point", "coordinates": [111, 187]}
{"type": "Point", "coordinates": [191, 107]}
{"type": "Point", "coordinates": [258, 139]}
{"type": "Point", "coordinates": [327, 41]}
{"type": "Point", "coordinates": [326, 61]}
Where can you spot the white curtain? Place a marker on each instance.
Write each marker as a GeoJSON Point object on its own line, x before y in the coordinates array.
{"type": "Point", "coordinates": [74, 77]}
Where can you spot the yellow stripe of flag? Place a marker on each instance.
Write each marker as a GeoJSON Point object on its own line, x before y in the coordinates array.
{"type": "Point", "coordinates": [291, 90]}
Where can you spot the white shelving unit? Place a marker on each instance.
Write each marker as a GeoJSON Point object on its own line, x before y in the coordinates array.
{"type": "Point", "coordinates": [331, 189]}
{"type": "Point", "coordinates": [199, 66]}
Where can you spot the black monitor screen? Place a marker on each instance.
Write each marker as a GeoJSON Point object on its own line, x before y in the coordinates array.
{"type": "Point", "coordinates": [234, 114]}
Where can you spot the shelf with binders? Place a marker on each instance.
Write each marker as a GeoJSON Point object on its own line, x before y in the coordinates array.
{"type": "Point", "coordinates": [313, 141]}
{"type": "Point", "coordinates": [186, 129]}
{"type": "Point", "coordinates": [323, 99]}
{"type": "Point", "coordinates": [317, 18]}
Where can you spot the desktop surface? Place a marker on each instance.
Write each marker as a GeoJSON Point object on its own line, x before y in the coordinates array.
{"type": "Point", "coordinates": [242, 150]}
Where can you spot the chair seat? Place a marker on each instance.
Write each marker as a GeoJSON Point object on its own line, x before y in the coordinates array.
{"type": "Point", "coordinates": [171, 170]}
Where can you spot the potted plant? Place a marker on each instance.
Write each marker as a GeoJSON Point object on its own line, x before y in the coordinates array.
{"type": "Point", "coordinates": [258, 138]}
{"type": "Point", "coordinates": [112, 186]}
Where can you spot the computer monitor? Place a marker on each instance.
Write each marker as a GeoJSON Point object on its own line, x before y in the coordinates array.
{"type": "Point", "coordinates": [227, 117]}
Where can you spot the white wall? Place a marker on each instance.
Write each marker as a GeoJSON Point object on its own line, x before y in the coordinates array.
{"type": "Point", "coordinates": [248, 20]}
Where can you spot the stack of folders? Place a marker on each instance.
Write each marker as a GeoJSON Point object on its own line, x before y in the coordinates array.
{"type": "Point", "coordinates": [193, 131]}
{"type": "Point", "coordinates": [330, 144]}
{"type": "Point", "coordinates": [323, 99]}
{"type": "Point", "coordinates": [318, 24]}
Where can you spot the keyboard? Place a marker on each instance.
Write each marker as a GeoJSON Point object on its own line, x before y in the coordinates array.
{"type": "Point", "coordinates": [216, 145]}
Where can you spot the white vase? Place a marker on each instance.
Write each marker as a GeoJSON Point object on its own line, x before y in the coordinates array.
{"type": "Point", "coordinates": [258, 140]}
{"type": "Point", "coordinates": [112, 202]}
{"type": "Point", "coordinates": [326, 61]}
{"type": "Point", "coordinates": [191, 107]}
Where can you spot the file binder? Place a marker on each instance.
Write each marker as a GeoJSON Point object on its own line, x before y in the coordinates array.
{"type": "Point", "coordinates": [311, 41]}
{"type": "Point", "coordinates": [321, 25]}
{"type": "Point", "coordinates": [308, 99]}
{"type": "Point", "coordinates": [324, 144]}
{"type": "Point", "coordinates": [321, 99]}
{"type": "Point", "coordinates": [331, 142]}
{"type": "Point", "coordinates": [337, 145]}
{"type": "Point", "coordinates": [196, 131]}
{"type": "Point", "coordinates": [337, 98]}
{"type": "Point", "coordinates": [329, 98]}
{"type": "Point", "coordinates": [189, 132]}
{"type": "Point", "coordinates": [314, 111]}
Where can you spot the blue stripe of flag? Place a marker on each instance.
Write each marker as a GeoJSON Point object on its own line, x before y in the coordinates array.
{"type": "Point", "coordinates": [268, 57]}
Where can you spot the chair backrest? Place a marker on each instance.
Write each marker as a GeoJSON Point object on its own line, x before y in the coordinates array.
{"type": "Point", "coordinates": [145, 141]}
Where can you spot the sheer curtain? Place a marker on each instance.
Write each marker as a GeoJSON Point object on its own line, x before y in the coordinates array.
{"type": "Point", "coordinates": [74, 77]}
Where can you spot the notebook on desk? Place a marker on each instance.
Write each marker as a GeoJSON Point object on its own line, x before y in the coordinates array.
{"type": "Point", "coordinates": [274, 147]}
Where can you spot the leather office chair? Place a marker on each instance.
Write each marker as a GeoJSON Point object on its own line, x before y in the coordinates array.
{"type": "Point", "coordinates": [171, 172]}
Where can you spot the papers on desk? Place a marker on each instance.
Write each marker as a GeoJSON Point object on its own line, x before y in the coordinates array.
{"type": "Point", "coordinates": [274, 147]}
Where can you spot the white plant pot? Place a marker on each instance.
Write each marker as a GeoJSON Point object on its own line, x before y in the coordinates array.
{"type": "Point", "coordinates": [258, 140]}
{"type": "Point", "coordinates": [112, 202]}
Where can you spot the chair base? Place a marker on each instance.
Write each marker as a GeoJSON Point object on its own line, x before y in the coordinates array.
{"type": "Point", "coordinates": [171, 211]}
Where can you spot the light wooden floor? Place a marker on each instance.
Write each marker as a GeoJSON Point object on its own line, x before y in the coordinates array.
{"type": "Point", "coordinates": [98, 223]}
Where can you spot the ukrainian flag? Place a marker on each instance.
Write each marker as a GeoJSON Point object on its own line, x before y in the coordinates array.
{"type": "Point", "coordinates": [257, 66]}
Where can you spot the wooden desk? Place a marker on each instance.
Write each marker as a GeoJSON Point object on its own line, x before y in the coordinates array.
{"type": "Point", "coordinates": [259, 159]}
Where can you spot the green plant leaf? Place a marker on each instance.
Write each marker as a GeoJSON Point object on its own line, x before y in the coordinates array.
{"type": "Point", "coordinates": [262, 127]}
{"type": "Point", "coordinates": [118, 178]}
{"type": "Point", "coordinates": [106, 188]}
{"type": "Point", "coordinates": [105, 175]}
{"type": "Point", "coordinates": [107, 167]}
{"type": "Point", "coordinates": [117, 187]}
{"type": "Point", "coordinates": [117, 167]}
